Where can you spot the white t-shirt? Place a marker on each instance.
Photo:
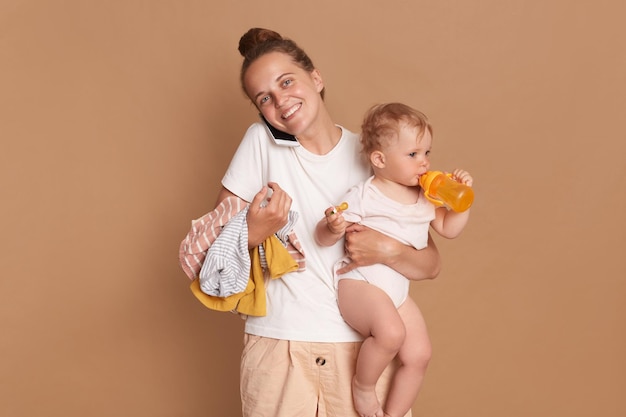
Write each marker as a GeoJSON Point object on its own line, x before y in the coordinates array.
{"type": "Point", "coordinates": [301, 306]}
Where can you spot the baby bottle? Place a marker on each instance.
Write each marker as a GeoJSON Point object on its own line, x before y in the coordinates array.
{"type": "Point", "coordinates": [441, 190]}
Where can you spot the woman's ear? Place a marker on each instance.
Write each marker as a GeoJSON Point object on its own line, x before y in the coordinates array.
{"type": "Point", "coordinates": [316, 75]}
{"type": "Point", "coordinates": [377, 159]}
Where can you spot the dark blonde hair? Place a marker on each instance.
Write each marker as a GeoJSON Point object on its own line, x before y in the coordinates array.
{"type": "Point", "coordinates": [382, 122]}
{"type": "Point", "coordinates": [257, 42]}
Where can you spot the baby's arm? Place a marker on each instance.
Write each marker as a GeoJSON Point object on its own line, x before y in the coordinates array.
{"type": "Point", "coordinates": [448, 223]}
{"type": "Point", "coordinates": [331, 228]}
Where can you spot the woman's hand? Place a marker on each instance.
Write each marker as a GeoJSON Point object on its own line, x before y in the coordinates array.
{"type": "Point", "coordinates": [366, 246]}
{"type": "Point", "coordinates": [266, 219]}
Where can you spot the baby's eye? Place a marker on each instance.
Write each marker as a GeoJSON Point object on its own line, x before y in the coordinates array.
{"type": "Point", "coordinates": [413, 154]}
{"type": "Point", "coordinates": [427, 153]}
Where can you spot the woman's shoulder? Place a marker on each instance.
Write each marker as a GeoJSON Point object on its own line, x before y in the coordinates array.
{"type": "Point", "coordinates": [255, 137]}
{"type": "Point", "coordinates": [350, 139]}
{"type": "Point", "coordinates": [347, 133]}
{"type": "Point", "coordinates": [256, 130]}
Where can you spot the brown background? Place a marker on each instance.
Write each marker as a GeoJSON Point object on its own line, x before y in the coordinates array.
{"type": "Point", "coordinates": [118, 118]}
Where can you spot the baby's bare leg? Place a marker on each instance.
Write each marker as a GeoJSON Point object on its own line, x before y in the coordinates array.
{"type": "Point", "coordinates": [371, 312]}
{"type": "Point", "coordinates": [414, 356]}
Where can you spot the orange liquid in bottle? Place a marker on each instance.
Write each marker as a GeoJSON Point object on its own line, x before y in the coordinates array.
{"type": "Point", "coordinates": [457, 196]}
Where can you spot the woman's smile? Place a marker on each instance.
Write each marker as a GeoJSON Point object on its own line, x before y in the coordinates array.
{"type": "Point", "coordinates": [286, 115]}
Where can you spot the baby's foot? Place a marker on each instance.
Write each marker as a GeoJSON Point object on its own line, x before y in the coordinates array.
{"type": "Point", "coordinates": [365, 401]}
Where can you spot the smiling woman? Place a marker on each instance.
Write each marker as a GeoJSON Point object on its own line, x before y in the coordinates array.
{"type": "Point", "coordinates": [289, 97]}
{"type": "Point", "coordinates": [302, 324]}
{"type": "Point", "coordinates": [118, 120]}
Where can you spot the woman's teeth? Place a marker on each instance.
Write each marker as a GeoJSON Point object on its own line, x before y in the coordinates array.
{"type": "Point", "coordinates": [290, 111]}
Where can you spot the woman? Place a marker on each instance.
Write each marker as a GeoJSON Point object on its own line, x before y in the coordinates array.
{"type": "Point", "coordinates": [299, 358]}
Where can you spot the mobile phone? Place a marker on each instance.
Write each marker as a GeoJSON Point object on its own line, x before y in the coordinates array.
{"type": "Point", "coordinates": [280, 137]}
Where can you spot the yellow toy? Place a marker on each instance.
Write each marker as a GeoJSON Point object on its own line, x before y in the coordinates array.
{"type": "Point", "coordinates": [343, 207]}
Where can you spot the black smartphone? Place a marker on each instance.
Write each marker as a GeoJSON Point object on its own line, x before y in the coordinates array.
{"type": "Point", "coordinates": [280, 137]}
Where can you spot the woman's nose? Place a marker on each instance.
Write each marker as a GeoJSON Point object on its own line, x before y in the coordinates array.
{"type": "Point", "coordinates": [279, 99]}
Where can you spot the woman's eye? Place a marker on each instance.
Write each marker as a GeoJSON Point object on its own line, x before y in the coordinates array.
{"type": "Point", "coordinates": [264, 100]}
{"type": "Point", "coordinates": [286, 83]}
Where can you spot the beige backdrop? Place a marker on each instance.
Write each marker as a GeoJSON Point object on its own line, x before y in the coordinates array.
{"type": "Point", "coordinates": [118, 118]}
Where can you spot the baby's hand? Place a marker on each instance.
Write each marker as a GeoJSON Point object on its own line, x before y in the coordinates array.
{"type": "Point", "coordinates": [334, 219]}
{"type": "Point", "coordinates": [463, 177]}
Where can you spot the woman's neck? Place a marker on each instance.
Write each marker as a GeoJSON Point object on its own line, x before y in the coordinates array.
{"type": "Point", "coordinates": [322, 137]}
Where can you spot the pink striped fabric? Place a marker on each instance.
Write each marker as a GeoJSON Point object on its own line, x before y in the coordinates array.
{"type": "Point", "coordinates": [204, 231]}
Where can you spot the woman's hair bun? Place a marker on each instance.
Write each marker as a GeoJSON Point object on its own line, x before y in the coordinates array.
{"type": "Point", "coordinates": [255, 37]}
{"type": "Point", "coordinates": [257, 42]}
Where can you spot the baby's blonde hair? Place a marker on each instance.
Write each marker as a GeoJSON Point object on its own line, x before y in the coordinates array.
{"type": "Point", "coordinates": [382, 122]}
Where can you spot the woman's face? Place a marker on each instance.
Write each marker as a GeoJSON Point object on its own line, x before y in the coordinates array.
{"type": "Point", "coordinates": [287, 95]}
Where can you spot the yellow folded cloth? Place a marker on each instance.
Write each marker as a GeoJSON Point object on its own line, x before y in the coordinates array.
{"type": "Point", "coordinates": [251, 301]}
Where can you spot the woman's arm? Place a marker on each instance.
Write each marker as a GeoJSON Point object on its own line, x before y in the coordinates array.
{"type": "Point", "coordinates": [366, 246]}
{"type": "Point", "coordinates": [264, 219]}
